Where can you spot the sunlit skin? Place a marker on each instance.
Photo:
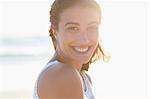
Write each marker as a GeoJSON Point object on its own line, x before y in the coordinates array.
{"type": "Point", "coordinates": [77, 29]}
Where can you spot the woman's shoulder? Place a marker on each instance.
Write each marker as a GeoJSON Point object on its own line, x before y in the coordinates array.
{"type": "Point", "coordinates": [58, 69]}
{"type": "Point", "coordinates": [60, 81]}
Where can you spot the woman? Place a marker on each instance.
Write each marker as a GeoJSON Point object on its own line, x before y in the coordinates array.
{"type": "Point", "coordinates": [74, 32]}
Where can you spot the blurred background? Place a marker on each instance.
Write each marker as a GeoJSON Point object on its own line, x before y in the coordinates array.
{"type": "Point", "coordinates": [25, 48]}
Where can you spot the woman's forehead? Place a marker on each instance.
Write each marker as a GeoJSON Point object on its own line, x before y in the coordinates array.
{"type": "Point", "coordinates": [78, 14]}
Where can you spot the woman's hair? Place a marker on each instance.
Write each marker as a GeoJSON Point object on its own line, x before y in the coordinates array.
{"type": "Point", "coordinates": [58, 7]}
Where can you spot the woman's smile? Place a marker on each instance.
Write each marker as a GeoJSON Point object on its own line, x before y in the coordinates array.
{"type": "Point", "coordinates": [81, 50]}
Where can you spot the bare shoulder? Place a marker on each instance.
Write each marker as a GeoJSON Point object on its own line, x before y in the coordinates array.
{"type": "Point", "coordinates": [60, 82]}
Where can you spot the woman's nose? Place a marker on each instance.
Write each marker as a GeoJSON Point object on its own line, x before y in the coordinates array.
{"type": "Point", "coordinates": [84, 39]}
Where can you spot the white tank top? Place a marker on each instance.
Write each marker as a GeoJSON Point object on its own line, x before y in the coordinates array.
{"type": "Point", "coordinates": [88, 94]}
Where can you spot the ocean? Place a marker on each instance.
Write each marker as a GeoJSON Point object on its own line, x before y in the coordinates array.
{"type": "Point", "coordinates": [21, 59]}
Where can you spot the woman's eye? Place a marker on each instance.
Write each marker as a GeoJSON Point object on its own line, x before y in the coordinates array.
{"type": "Point", "coordinates": [73, 28]}
{"type": "Point", "coordinates": [93, 29]}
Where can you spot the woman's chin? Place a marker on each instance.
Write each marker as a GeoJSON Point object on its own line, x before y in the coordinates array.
{"type": "Point", "coordinates": [82, 60]}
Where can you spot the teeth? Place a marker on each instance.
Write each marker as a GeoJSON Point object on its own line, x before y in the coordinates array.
{"type": "Point", "coordinates": [81, 49]}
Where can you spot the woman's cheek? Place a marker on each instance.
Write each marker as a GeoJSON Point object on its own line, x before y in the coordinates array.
{"type": "Point", "coordinates": [66, 39]}
{"type": "Point", "coordinates": [93, 36]}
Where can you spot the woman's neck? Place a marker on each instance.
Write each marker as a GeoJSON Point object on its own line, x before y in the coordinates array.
{"type": "Point", "coordinates": [65, 61]}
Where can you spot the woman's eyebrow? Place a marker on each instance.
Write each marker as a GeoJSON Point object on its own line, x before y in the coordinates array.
{"type": "Point", "coordinates": [71, 23]}
{"type": "Point", "coordinates": [94, 22]}
{"type": "Point", "coordinates": [75, 23]}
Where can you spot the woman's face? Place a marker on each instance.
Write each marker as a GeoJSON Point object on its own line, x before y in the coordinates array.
{"type": "Point", "coordinates": [77, 34]}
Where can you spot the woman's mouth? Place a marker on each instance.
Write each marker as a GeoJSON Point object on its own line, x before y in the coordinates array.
{"type": "Point", "coordinates": [81, 49]}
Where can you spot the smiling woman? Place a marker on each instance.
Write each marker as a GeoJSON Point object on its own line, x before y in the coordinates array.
{"type": "Point", "coordinates": [74, 32]}
{"type": "Point", "coordinates": [25, 23]}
